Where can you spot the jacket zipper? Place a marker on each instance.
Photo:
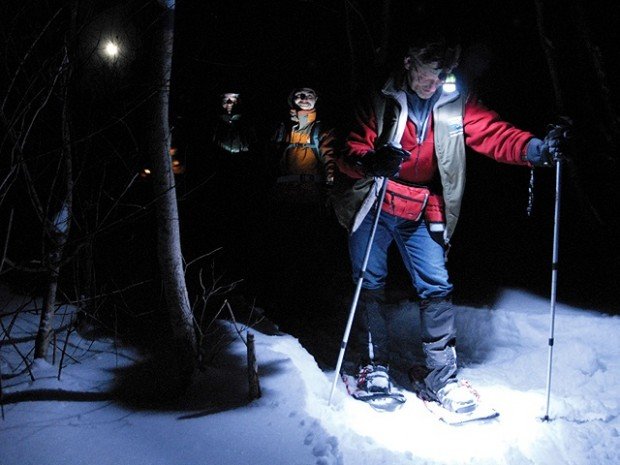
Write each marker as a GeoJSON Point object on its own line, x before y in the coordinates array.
{"type": "Point", "coordinates": [422, 134]}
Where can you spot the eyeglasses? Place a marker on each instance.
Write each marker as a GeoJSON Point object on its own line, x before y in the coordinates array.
{"type": "Point", "coordinates": [304, 96]}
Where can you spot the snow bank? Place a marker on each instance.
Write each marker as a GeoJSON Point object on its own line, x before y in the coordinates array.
{"type": "Point", "coordinates": [503, 353]}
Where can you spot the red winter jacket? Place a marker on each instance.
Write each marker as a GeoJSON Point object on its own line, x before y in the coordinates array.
{"type": "Point", "coordinates": [482, 130]}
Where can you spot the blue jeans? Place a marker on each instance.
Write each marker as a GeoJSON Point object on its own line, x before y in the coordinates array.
{"type": "Point", "coordinates": [425, 261]}
{"type": "Point", "coordinates": [422, 255]}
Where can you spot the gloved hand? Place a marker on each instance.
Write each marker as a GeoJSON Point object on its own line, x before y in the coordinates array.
{"type": "Point", "coordinates": [385, 161]}
{"type": "Point", "coordinates": [547, 152]}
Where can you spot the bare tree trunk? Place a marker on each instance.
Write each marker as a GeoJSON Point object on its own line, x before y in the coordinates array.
{"type": "Point", "coordinates": [168, 234]}
{"type": "Point", "coordinates": [56, 229]}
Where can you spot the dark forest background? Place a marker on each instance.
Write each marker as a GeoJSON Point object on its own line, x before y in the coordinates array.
{"type": "Point", "coordinates": [345, 48]}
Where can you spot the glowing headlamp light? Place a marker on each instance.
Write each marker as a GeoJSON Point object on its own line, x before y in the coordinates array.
{"type": "Point", "coordinates": [449, 84]}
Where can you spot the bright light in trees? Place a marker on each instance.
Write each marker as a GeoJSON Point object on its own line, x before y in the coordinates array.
{"type": "Point", "coordinates": [111, 49]}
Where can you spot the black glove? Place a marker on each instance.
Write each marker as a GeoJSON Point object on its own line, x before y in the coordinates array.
{"type": "Point", "coordinates": [385, 161]}
{"type": "Point", "coordinates": [548, 151]}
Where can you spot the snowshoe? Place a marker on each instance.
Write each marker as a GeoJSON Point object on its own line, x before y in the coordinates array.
{"type": "Point", "coordinates": [373, 386]}
{"type": "Point", "coordinates": [455, 404]}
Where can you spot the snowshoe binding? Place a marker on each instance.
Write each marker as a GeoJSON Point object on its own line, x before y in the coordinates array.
{"type": "Point", "coordinates": [373, 386]}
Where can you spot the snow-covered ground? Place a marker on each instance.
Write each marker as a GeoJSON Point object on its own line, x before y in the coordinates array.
{"type": "Point", "coordinates": [504, 354]}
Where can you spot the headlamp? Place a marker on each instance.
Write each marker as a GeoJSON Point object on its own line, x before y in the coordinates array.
{"type": "Point", "coordinates": [449, 84]}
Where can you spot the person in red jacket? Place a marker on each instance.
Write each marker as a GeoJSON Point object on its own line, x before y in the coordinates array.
{"type": "Point", "coordinates": [412, 136]}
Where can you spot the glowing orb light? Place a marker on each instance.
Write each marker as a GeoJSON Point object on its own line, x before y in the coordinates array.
{"type": "Point", "coordinates": [111, 49]}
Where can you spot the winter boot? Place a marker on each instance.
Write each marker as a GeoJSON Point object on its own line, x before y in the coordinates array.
{"type": "Point", "coordinates": [457, 397]}
{"type": "Point", "coordinates": [374, 379]}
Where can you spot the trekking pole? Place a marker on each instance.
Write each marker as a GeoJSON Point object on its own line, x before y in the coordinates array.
{"type": "Point", "coordinates": [554, 277]}
{"type": "Point", "coordinates": [358, 290]}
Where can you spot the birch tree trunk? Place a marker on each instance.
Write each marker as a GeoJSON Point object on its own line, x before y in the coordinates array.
{"type": "Point", "coordinates": [168, 233]}
{"type": "Point", "coordinates": [56, 226]}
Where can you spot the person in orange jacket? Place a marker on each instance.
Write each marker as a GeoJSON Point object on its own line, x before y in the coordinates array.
{"type": "Point", "coordinates": [299, 229]}
{"type": "Point", "coordinates": [304, 151]}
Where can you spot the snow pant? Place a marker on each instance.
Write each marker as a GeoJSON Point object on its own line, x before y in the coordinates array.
{"type": "Point", "coordinates": [438, 341]}
{"type": "Point", "coordinates": [424, 259]}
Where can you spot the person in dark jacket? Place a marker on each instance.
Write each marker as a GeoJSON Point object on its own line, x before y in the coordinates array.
{"type": "Point", "coordinates": [229, 180]}
{"type": "Point", "coordinates": [233, 138]}
{"type": "Point", "coordinates": [412, 136]}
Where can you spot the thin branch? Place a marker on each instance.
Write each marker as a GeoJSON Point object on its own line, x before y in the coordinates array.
{"type": "Point", "coordinates": [235, 324]}
{"type": "Point", "coordinates": [6, 241]}
{"type": "Point", "coordinates": [44, 103]}
{"type": "Point", "coordinates": [26, 56]}
{"type": "Point", "coordinates": [24, 359]}
{"type": "Point", "coordinates": [32, 337]}
{"type": "Point", "coordinates": [201, 257]}
{"type": "Point", "coordinates": [117, 201]}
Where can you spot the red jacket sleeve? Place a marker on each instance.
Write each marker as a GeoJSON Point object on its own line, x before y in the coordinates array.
{"type": "Point", "coordinates": [487, 134]}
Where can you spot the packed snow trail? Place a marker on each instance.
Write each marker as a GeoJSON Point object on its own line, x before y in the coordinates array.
{"type": "Point", "coordinates": [503, 353]}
